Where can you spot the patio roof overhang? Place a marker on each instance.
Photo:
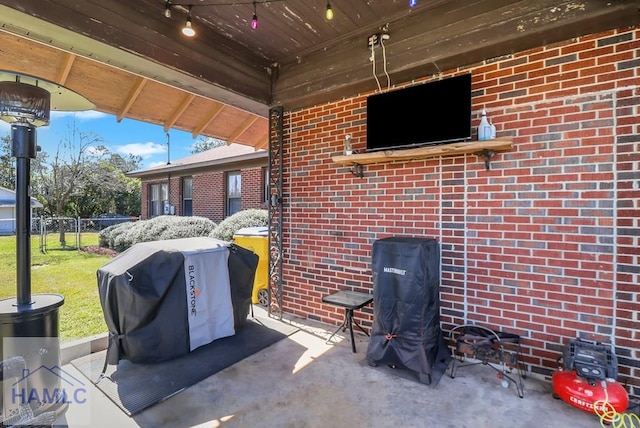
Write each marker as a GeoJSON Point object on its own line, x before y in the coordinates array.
{"type": "Point", "coordinates": [131, 61]}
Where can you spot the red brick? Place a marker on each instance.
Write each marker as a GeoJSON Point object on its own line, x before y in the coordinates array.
{"type": "Point", "coordinates": [523, 247]}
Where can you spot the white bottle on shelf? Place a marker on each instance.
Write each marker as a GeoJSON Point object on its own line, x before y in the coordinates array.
{"type": "Point", "coordinates": [484, 129]}
{"type": "Point", "coordinates": [492, 127]}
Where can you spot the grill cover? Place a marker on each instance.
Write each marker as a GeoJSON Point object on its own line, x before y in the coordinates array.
{"type": "Point", "coordinates": [163, 299]}
{"type": "Point", "coordinates": [406, 306]}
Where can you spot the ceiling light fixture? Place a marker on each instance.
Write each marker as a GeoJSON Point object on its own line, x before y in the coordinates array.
{"type": "Point", "coordinates": [329, 13]}
{"type": "Point", "coordinates": [254, 20]}
{"type": "Point", "coordinates": [188, 30]}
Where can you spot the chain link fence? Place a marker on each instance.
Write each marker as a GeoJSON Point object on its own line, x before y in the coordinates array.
{"type": "Point", "coordinates": [64, 233]}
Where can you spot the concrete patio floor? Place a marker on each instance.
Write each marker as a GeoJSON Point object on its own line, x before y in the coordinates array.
{"type": "Point", "coordinates": [302, 382]}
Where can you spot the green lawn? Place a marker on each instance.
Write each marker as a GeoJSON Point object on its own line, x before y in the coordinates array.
{"type": "Point", "coordinates": [70, 273]}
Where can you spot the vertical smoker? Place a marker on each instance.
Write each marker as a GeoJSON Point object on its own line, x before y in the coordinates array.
{"type": "Point", "coordinates": [406, 304]}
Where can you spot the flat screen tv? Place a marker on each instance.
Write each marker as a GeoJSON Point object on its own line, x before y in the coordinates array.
{"type": "Point", "coordinates": [436, 112]}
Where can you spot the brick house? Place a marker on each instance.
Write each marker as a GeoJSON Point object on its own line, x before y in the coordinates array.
{"type": "Point", "coordinates": [212, 184]}
{"type": "Point", "coordinates": [545, 244]}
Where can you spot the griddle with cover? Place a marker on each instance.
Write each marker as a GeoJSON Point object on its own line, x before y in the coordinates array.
{"type": "Point", "coordinates": [163, 299]}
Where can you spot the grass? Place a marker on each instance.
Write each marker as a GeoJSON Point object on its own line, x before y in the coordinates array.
{"type": "Point", "coordinates": [70, 273]}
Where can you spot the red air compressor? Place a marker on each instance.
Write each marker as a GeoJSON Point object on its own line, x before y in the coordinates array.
{"type": "Point", "coordinates": [588, 379]}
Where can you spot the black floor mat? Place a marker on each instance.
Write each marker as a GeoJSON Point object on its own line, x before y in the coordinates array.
{"type": "Point", "coordinates": [135, 387]}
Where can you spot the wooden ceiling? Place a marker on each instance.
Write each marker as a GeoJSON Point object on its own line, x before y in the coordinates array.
{"type": "Point", "coordinates": [131, 61]}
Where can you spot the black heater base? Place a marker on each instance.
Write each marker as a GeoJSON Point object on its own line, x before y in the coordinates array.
{"type": "Point", "coordinates": [30, 352]}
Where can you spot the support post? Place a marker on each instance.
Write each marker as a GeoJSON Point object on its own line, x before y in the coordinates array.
{"type": "Point", "coordinates": [23, 148]}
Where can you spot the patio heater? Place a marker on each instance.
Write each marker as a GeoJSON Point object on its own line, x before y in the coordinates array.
{"type": "Point", "coordinates": [25, 103]}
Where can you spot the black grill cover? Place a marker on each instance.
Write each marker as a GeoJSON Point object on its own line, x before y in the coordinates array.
{"type": "Point", "coordinates": [406, 305]}
{"type": "Point", "coordinates": [163, 299]}
{"type": "Point", "coordinates": [242, 269]}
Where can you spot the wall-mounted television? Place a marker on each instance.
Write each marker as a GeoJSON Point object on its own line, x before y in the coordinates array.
{"type": "Point", "coordinates": [431, 113]}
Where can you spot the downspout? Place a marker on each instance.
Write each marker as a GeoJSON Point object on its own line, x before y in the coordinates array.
{"type": "Point", "coordinates": [169, 173]}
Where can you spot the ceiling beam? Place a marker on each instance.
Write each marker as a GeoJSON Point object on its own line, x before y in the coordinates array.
{"type": "Point", "coordinates": [240, 129]}
{"type": "Point", "coordinates": [131, 98]}
{"type": "Point", "coordinates": [64, 71]}
{"type": "Point", "coordinates": [178, 112]}
{"type": "Point", "coordinates": [262, 144]}
{"type": "Point", "coordinates": [215, 111]}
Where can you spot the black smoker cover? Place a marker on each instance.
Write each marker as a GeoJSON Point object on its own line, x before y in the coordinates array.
{"type": "Point", "coordinates": [406, 305]}
{"type": "Point", "coordinates": [163, 299]}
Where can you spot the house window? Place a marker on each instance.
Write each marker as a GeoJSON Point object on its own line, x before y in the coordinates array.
{"type": "Point", "coordinates": [187, 196]}
{"type": "Point", "coordinates": [158, 197]}
{"type": "Point", "coordinates": [234, 192]}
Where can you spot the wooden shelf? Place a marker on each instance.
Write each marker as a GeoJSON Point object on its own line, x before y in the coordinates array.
{"type": "Point", "coordinates": [485, 148]}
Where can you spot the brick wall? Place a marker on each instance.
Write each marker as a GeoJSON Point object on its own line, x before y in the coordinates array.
{"type": "Point", "coordinates": [209, 193]}
{"type": "Point", "coordinates": [175, 194]}
{"type": "Point", "coordinates": [545, 244]}
{"type": "Point", "coordinates": [144, 203]}
{"type": "Point", "coordinates": [252, 188]}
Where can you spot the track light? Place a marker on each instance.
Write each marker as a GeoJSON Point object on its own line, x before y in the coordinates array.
{"type": "Point", "coordinates": [329, 12]}
{"type": "Point", "coordinates": [413, 3]}
{"type": "Point", "coordinates": [167, 8]}
{"type": "Point", "coordinates": [188, 29]}
{"type": "Point", "coordinates": [254, 20]}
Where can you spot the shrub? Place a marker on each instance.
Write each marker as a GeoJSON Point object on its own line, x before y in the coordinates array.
{"type": "Point", "coordinates": [107, 235]}
{"type": "Point", "coordinates": [246, 218]}
{"type": "Point", "coordinates": [120, 237]}
{"type": "Point", "coordinates": [189, 227]}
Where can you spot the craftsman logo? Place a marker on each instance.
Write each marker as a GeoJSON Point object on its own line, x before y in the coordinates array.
{"type": "Point", "coordinates": [586, 405]}
{"type": "Point", "coordinates": [402, 272]}
{"type": "Point", "coordinates": [193, 291]}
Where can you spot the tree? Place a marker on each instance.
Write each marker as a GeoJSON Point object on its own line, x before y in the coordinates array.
{"type": "Point", "coordinates": [7, 164]}
{"type": "Point", "coordinates": [81, 179]}
{"type": "Point", "coordinates": [206, 143]}
{"type": "Point", "coordinates": [66, 175]}
{"type": "Point", "coordinates": [107, 189]}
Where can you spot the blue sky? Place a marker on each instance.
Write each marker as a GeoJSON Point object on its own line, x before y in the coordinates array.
{"type": "Point", "coordinates": [126, 137]}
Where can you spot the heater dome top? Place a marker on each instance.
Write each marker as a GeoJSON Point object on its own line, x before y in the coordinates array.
{"type": "Point", "coordinates": [20, 102]}
{"type": "Point", "coordinates": [30, 99]}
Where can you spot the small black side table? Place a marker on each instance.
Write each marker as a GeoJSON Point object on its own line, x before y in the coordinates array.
{"type": "Point", "coordinates": [350, 301]}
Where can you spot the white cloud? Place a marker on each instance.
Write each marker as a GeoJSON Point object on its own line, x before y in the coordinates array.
{"type": "Point", "coordinates": [154, 164]}
{"type": "Point", "coordinates": [80, 115]}
{"type": "Point", "coordinates": [143, 150]}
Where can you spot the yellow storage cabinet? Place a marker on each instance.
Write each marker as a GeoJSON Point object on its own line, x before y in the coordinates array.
{"type": "Point", "coordinates": [256, 239]}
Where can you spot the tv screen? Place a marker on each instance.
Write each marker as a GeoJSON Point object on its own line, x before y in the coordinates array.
{"type": "Point", "coordinates": [431, 113]}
